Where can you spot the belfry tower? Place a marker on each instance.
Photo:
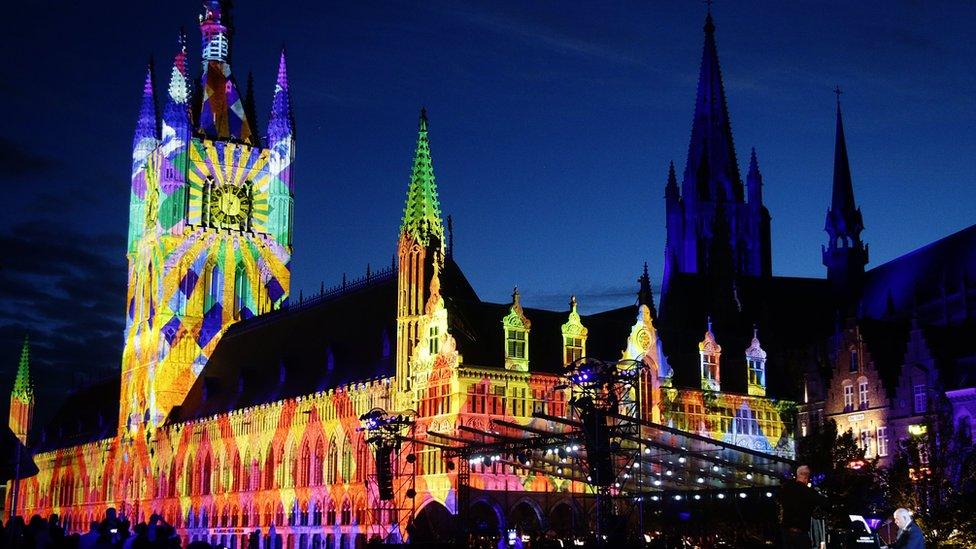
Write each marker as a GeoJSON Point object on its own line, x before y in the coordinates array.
{"type": "Point", "coordinates": [420, 251]}
{"type": "Point", "coordinates": [711, 220]}
{"type": "Point", "coordinates": [210, 222]}
{"type": "Point", "coordinates": [845, 255]}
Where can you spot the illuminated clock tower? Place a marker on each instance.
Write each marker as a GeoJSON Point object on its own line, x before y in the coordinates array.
{"type": "Point", "coordinates": [210, 222]}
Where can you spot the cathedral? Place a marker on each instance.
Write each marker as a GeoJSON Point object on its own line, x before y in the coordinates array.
{"type": "Point", "coordinates": [239, 408]}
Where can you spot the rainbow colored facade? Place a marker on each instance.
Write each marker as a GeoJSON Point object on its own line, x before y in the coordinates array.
{"type": "Point", "coordinates": [239, 410]}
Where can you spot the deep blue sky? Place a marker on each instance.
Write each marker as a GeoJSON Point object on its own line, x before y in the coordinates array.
{"type": "Point", "coordinates": [552, 124]}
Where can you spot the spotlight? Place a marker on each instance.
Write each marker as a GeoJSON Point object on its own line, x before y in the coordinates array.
{"type": "Point", "coordinates": [742, 495]}
{"type": "Point", "coordinates": [769, 494]}
{"type": "Point", "coordinates": [411, 458]}
{"type": "Point", "coordinates": [657, 482]}
{"type": "Point", "coordinates": [655, 498]}
{"type": "Point", "coordinates": [697, 497]}
{"type": "Point", "coordinates": [721, 496]}
{"type": "Point", "coordinates": [411, 493]}
{"type": "Point", "coordinates": [701, 480]}
{"type": "Point", "coordinates": [677, 497]}
{"type": "Point", "coordinates": [682, 459]}
{"type": "Point", "coordinates": [715, 468]}
{"type": "Point", "coordinates": [748, 476]}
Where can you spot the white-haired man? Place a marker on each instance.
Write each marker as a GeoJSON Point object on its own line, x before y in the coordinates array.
{"type": "Point", "coordinates": [909, 534]}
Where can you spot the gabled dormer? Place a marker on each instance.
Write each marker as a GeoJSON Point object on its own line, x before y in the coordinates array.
{"type": "Point", "coordinates": [574, 335]}
{"type": "Point", "coordinates": [756, 366]}
{"type": "Point", "coordinates": [711, 353]}
{"type": "Point", "coordinates": [516, 327]}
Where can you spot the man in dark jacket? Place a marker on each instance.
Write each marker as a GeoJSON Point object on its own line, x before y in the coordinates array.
{"type": "Point", "coordinates": [797, 501]}
{"type": "Point", "coordinates": [909, 534]}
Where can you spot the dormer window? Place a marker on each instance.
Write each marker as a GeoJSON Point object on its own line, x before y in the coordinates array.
{"type": "Point", "coordinates": [710, 353]}
{"type": "Point", "coordinates": [574, 335]}
{"type": "Point", "coordinates": [516, 327]}
{"type": "Point", "coordinates": [515, 342]}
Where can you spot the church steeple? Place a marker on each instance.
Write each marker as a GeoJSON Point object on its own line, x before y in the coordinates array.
{"type": "Point", "coordinates": [845, 254]}
{"type": "Point", "coordinates": [22, 396]}
{"type": "Point", "coordinates": [420, 254]}
{"type": "Point", "coordinates": [645, 295]}
{"type": "Point", "coordinates": [422, 213]}
{"type": "Point", "coordinates": [712, 171]}
{"type": "Point", "coordinates": [176, 112]}
{"type": "Point", "coordinates": [754, 181]}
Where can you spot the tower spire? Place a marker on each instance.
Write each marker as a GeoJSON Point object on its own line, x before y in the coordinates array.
{"type": "Point", "coordinates": [147, 126]}
{"type": "Point", "coordinates": [711, 132]}
{"type": "Point", "coordinates": [23, 384]}
{"type": "Point", "coordinates": [645, 296]}
{"type": "Point", "coordinates": [754, 181]}
{"type": "Point", "coordinates": [422, 213]}
{"type": "Point", "coordinates": [845, 254]}
{"type": "Point", "coordinates": [281, 123]}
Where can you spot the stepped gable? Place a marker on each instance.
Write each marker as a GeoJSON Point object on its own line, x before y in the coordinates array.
{"type": "Point", "coordinates": [793, 316]}
{"type": "Point", "coordinates": [86, 415]}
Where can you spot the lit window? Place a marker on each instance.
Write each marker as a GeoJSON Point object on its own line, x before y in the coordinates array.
{"type": "Point", "coordinates": [882, 441]}
{"type": "Point", "coordinates": [434, 341]}
{"type": "Point", "coordinates": [574, 348]}
{"type": "Point", "coordinates": [865, 442]}
{"type": "Point", "coordinates": [920, 398]}
{"type": "Point", "coordinates": [848, 397]}
{"type": "Point", "coordinates": [757, 373]}
{"type": "Point", "coordinates": [862, 394]}
{"type": "Point", "coordinates": [515, 343]}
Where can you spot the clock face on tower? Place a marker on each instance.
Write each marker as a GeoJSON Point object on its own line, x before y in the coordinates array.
{"type": "Point", "coordinates": [230, 206]}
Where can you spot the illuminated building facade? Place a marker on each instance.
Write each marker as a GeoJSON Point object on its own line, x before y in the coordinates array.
{"type": "Point", "coordinates": [238, 409]}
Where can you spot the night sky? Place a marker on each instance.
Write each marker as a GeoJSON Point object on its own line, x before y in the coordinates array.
{"type": "Point", "coordinates": [552, 125]}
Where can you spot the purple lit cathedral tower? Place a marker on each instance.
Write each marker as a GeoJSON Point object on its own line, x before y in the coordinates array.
{"type": "Point", "coordinates": [714, 225]}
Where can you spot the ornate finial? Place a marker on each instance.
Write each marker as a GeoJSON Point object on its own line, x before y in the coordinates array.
{"type": "Point", "coordinates": [423, 119]}
{"type": "Point", "coordinates": [755, 332]}
{"type": "Point", "coordinates": [572, 303]}
{"type": "Point", "coordinates": [708, 319]}
{"type": "Point", "coordinates": [838, 91]}
{"type": "Point", "coordinates": [515, 294]}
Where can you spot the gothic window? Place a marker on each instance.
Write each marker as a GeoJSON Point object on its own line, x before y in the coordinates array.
{"type": "Point", "coordinates": [241, 290]}
{"type": "Point", "coordinates": [347, 461]}
{"type": "Point", "coordinates": [205, 481]}
{"type": "Point", "coordinates": [235, 473]}
{"type": "Point", "coordinates": [330, 515]}
{"type": "Point", "coordinates": [318, 463]}
{"type": "Point", "coordinates": [332, 464]}
{"type": "Point", "coordinates": [256, 473]}
{"type": "Point", "coordinates": [573, 347]}
{"type": "Point", "coordinates": [188, 473]}
{"type": "Point", "coordinates": [848, 397]}
{"type": "Point", "coordinates": [515, 343]}
{"type": "Point", "coordinates": [361, 459]}
{"type": "Point", "coordinates": [212, 285]}
{"type": "Point", "coordinates": [882, 441]}
{"type": "Point", "coordinates": [305, 466]}
{"type": "Point", "coordinates": [854, 361]}
{"type": "Point", "coordinates": [185, 287]}
{"type": "Point", "coordinates": [920, 398]}
{"type": "Point", "coordinates": [346, 517]}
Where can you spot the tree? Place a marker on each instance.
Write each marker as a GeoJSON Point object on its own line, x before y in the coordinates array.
{"type": "Point", "coordinates": [839, 470]}
{"type": "Point", "coordinates": [934, 475]}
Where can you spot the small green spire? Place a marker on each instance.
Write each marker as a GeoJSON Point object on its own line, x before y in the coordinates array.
{"type": "Point", "coordinates": [422, 213]}
{"type": "Point", "coordinates": [23, 388]}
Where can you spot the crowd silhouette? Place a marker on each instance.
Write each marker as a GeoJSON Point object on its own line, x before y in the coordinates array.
{"type": "Point", "coordinates": [112, 532]}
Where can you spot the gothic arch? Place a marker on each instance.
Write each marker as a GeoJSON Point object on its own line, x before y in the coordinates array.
{"type": "Point", "coordinates": [487, 516]}
{"type": "Point", "coordinates": [434, 523]}
{"type": "Point", "coordinates": [527, 516]}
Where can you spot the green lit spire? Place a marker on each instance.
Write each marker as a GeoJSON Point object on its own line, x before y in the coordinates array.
{"type": "Point", "coordinates": [23, 388]}
{"type": "Point", "coordinates": [422, 213]}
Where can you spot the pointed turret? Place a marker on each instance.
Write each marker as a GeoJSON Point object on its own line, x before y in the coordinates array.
{"type": "Point", "coordinates": [22, 396]}
{"type": "Point", "coordinates": [176, 113]}
{"type": "Point", "coordinates": [147, 126]}
{"type": "Point", "coordinates": [23, 384]}
{"type": "Point", "coordinates": [281, 122]}
{"type": "Point", "coordinates": [754, 181]}
{"type": "Point", "coordinates": [671, 193]}
{"type": "Point", "coordinates": [420, 253]}
{"type": "Point", "coordinates": [645, 295]}
{"type": "Point", "coordinates": [422, 213]}
{"type": "Point", "coordinates": [845, 255]}
{"type": "Point", "coordinates": [711, 153]}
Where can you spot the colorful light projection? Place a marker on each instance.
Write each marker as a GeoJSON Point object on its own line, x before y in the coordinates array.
{"type": "Point", "coordinates": [209, 232]}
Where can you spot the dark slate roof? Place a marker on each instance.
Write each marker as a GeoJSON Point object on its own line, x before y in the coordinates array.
{"type": "Point", "coordinates": [319, 345]}
{"type": "Point", "coordinates": [477, 328]}
{"type": "Point", "coordinates": [793, 316]}
{"type": "Point", "coordinates": [917, 279]}
{"type": "Point", "coordinates": [86, 415]}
